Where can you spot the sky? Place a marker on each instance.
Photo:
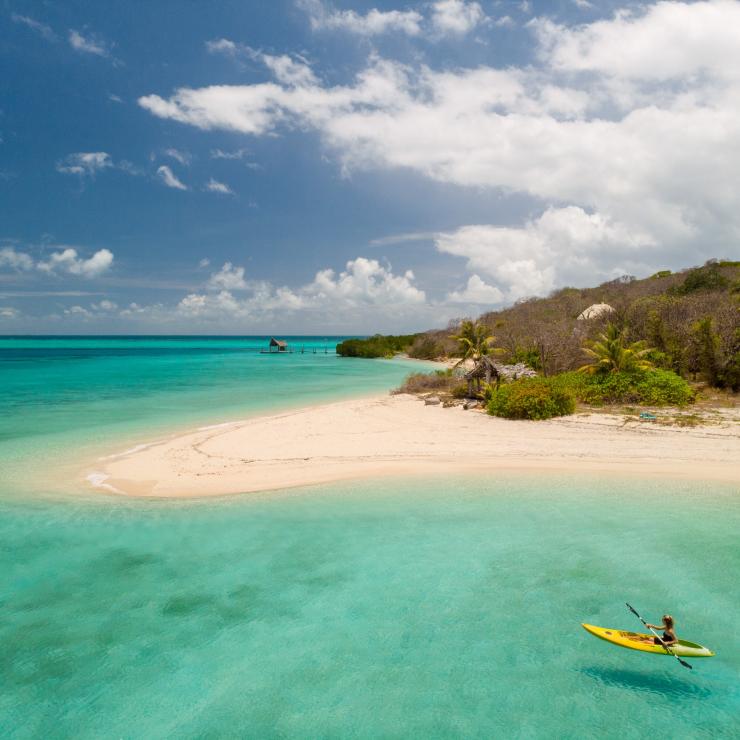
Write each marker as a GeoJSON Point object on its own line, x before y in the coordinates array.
{"type": "Point", "coordinates": [351, 167]}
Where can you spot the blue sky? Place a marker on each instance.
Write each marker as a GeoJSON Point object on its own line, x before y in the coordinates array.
{"type": "Point", "coordinates": [316, 167]}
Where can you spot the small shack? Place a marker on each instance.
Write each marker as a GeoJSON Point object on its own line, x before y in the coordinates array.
{"type": "Point", "coordinates": [487, 369]}
{"type": "Point", "coordinates": [277, 345]}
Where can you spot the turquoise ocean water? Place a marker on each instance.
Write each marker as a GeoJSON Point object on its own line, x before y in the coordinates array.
{"type": "Point", "coordinates": [408, 608]}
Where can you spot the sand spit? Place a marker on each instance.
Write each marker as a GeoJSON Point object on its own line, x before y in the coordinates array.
{"type": "Point", "coordinates": [396, 435]}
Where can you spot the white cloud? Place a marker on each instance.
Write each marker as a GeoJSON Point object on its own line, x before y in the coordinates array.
{"type": "Point", "coordinates": [19, 261]}
{"type": "Point", "coordinates": [34, 25]}
{"type": "Point", "coordinates": [88, 44]}
{"type": "Point", "coordinates": [67, 260]}
{"type": "Point", "coordinates": [105, 306]}
{"type": "Point", "coordinates": [663, 41]}
{"type": "Point", "coordinates": [84, 163]}
{"type": "Point", "coordinates": [237, 154]}
{"type": "Point", "coordinates": [456, 16]}
{"type": "Point", "coordinates": [373, 23]}
{"type": "Point", "coordinates": [78, 312]}
{"type": "Point", "coordinates": [562, 246]}
{"type": "Point", "coordinates": [214, 186]}
{"type": "Point", "coordinates": [631, 121]}
{"type": "Point", "coordinates": [168, 177]}
{"type": "Point", "coordinates": [222, 46]}
{"type": "Point", "coordinates": [184, 158]}
{"type": "Point", "coordinates": [477, 291]}
{"type": "Point", "coordinates": [205, 262]}
{"type": "Point", "coordinates": [228, 277]}
{"type": "Point", "coordinates": [363, 286]}
{"type": "Point", "coordinates": [8, 312]}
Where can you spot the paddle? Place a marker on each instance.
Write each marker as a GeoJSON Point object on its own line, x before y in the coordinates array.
{"type": "Point", "coordinates": [665, 647]}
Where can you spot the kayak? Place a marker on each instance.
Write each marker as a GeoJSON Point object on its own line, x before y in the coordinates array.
{"type": "Point", "coordinates": [646, 643]}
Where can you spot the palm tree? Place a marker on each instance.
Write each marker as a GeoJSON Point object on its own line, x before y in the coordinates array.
{"type": "Point", "coordinates": [610, 354]}
{"type": "Point", "coordinates": [474, 340]}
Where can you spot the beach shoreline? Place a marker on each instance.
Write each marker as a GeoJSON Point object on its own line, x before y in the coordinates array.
{"type": "Point", "coordinates": [383, 435]}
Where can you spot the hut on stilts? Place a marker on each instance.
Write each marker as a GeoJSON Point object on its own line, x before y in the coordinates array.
{"type": "Point", "coordinates": [276, 345]}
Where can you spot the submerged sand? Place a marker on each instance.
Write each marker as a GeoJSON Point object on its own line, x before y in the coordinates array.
{"type": "Point", "coordinates": [396, 435]}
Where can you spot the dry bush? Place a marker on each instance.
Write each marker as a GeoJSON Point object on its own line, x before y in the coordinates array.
{"type": "Point", "coordinates": [439, 381]}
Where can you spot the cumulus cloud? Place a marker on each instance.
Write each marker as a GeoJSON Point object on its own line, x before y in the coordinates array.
{"type": "Point", "coordinates": [364, 285]}
{"type": "Point", "coordinates": [65, 260]}
{"type": "Point", "coordinates": [477, 291]}
{"type": "Point", "coordinates": [374, 22]}
{"type": "Point", "coordinates": [168, 177]}
{"type": "Point", "coordinates": [629, 120]}
{"type": "Point", "coordinates": [18, 261]}
{"type": "Point", "coordinates": [8, 312]}
{"type": "Point", "coordinates": [84, 163]}
{"type": "Point", "coordinates": [228, 277]}
{"type": "Point", "coordinates": [456, 16]}
{"type": "Point", "coordinates": [562, 246]}
{"type": "Point", "coordinates": [68, 261]}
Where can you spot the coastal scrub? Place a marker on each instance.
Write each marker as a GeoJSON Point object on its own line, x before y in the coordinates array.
{"type": "Point", "coordinates": [532, 398]}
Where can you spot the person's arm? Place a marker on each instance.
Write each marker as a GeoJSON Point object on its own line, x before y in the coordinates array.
{"type": "Point", "coordinates": [655, 626]}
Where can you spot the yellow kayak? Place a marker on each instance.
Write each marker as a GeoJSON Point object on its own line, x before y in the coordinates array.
{"type": "Point", "coordinates": [646, 643]}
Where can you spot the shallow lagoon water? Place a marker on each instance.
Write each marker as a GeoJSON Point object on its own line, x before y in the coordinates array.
{"type": "Point", "coordinates": [396, 608]}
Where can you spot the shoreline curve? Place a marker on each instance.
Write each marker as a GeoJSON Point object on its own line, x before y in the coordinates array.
{"type": "Point", "coordinates": [398, 435]}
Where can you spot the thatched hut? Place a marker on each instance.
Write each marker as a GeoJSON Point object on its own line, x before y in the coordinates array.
{"type": "Point", "coordinates": [487, 369]}
{"type": "Point", "coordinates": [278, 345]}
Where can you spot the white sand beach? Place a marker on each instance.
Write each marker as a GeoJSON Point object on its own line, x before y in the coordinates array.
{"type": "Point", "coordinates": [397, 435]}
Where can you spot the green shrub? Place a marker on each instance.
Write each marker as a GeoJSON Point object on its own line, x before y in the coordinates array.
{"type": "Point", "coordinates": [426, 348]}
{"type": "Point", "coordinates": [376, 346]}
{"type": "Point", "coordinates": [651, 387]}
{"type": "Point", "coordinates": [439, 380]}
{"type": "Point", "coordinates": [664, 388]}
{"type": "Point", "coordinates": [707, 277]}
{"type": "Point", "coordinates": [531, 398]}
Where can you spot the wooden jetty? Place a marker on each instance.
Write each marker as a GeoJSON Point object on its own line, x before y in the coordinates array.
{"type": "Point", "coordinates": [281, 347]}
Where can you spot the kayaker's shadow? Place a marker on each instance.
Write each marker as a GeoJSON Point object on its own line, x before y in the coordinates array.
{"type": "Point", "coordinates": [673, 687]}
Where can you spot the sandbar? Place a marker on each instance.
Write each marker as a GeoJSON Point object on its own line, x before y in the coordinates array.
{"type": "Point", "coordinates": [399, 435]}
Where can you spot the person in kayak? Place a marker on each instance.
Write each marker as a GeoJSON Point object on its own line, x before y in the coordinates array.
{"type": "Point", "coordinates": [669, 636]}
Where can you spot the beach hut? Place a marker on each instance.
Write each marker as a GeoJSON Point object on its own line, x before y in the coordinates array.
{"type": "Point", "coordinates": [278, 345]}
{"type": "Point", "coordinates": [488, 369]}
{"type": "Point", "coordinates": [484, 369]}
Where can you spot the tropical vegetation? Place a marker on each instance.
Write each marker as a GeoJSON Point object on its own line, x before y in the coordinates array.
{"type": "Point", "coordinates": [474, 341]}
{"type": "Point", "coordinates": [610, 353]}
{"type": "Point", "coordinates": [531, 398]}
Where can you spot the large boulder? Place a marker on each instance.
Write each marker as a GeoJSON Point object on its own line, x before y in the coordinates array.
{"type": "Point", "coordinates": [595, 311]}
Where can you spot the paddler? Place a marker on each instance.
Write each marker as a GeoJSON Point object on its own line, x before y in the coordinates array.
{"type": "Point", "coordinates": [669, 635]}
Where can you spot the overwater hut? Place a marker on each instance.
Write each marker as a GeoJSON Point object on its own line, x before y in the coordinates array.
{"type": "Point", "coordinates": [278, 345]}
{"type": "Point", "coordinates": [487, 369]}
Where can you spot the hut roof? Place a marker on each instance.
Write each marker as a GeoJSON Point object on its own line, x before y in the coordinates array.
{"type": "Point", "coordinates": [488, 367]}
{"type": "Point", "coordinates": [595, 311]}
{"type": "Point", "coordinates": [278, 342]}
